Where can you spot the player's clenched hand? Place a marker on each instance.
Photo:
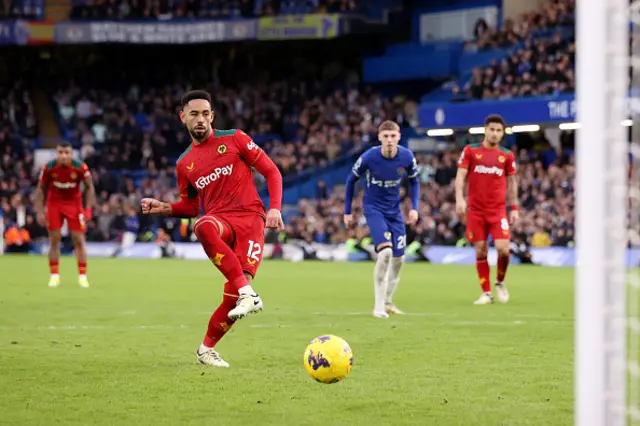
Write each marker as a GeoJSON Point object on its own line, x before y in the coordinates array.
{"type": "Point", "coordinates": [413, 217]}
{"type": "Point", "coordinates": [513, 217]}
{"type": "Point", "coordinates": [274, 220]}
{"type": "Point", "coordinates": [461, 208]}
{"type": "Point", "coordinates": [151, 206]}
{"type": "Point", "coordinates": [348, 219]}
{"type": "Point", "coordinates": [41, 219]}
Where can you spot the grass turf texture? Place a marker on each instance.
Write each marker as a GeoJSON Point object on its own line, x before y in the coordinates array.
{"type": "Point", "coordinates": [123, 351]}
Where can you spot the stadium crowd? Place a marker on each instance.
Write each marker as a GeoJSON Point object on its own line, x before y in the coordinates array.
{"type": "Point", "coordinates": [541, 59]}
{"type": "Point", "coordinates": [212, 9]}
{"type": "Point", "coordinates": [549, 16]}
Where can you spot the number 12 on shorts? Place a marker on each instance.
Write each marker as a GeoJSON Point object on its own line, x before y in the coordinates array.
{"type": "Point", "coordinates": [253, 254]}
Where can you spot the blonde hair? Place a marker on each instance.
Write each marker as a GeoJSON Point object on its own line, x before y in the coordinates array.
{"type": "Point", "coordinates": [388, 125]}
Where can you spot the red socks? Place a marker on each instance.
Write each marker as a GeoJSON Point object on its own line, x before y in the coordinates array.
{"type": "Point", "coordinates": [503, 264]}
{"type": "Point", "coordinates": [482, 267]}
{"type": "Point", "coordinates": [220, 253]}
{"type": "Point", "coordinates": [82, 268]}
{"type": "Point", "coordinates": [54, 267]}
{"type": "Point", "coordinates": [220, 323]}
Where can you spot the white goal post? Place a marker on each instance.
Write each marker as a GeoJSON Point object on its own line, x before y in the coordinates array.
{"type": "Point", "coordinates": [602, 77]}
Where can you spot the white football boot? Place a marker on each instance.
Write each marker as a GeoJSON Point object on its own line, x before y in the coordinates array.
{"type": "Point", "coordinates": [83, 281]}
{"type": "Point", "coordinates": [211, 357]}
{"type": "Point", "coordinates": [380, 314]}
{"type": "Point", "coordinates": [393, 309]}
{"type": "Point", "coordinates": [247, 304]}
{"type": "Point", "coordinates": [502, 292]}
{"type": "Point", "coordinates": [54, 281]}
{"type": "Point", "coordinates": [484, 299]}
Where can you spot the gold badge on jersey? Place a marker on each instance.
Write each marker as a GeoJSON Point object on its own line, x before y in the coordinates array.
{"type": "Point", "coordinates": [387, 235]}
{"type": "Point", "coordinates": [55, 175]}
{"type": "Point", "coordinates": [501, 159]}
{"type": "Point", "coordinates": [190, 167]}
{"type": "Point", "coordinates": [478, 156]}
{"type": "Point", "coordinates": [470, 234]}
{"type": "Point", "coordinates": [222, 149]}
{"type": "Point", "coordinates": [73, 175]}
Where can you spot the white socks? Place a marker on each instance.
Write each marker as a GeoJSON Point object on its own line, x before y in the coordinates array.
{"type": "Point", "coordinates": [246, 290]}
{"type": "Point", "coordinates": [380, 278]}
{"type": "Point", "coordinates": [393, 277]}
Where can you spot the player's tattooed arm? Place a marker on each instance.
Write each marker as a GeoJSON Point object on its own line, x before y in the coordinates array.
{"type": "Point", "coordinates": [512, 190]}
{"type": "Point", "coordinates": [90, 192]}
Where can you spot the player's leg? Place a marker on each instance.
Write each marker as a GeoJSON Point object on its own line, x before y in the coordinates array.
{"type": "Point", "coordinates": [248, 236]}
{"type": "Point", "coordinates": [501, 240]}
{"type": "Point", "coordinates": [216, 237]}
{"type": "Point", "coordinates": [75, 221]}
{"type": "Point", "coordinates": [381, 236]}
{"type": "Point", "coordinates": [477, 234]}
{"type": "Point", "coordinates": [54, 223]}
{"type": "Point", "coordinates": [399, 238]}
{"type": "Point", "coordinates": [248, 248]}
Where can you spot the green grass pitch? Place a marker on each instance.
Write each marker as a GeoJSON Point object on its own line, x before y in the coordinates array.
{"type": "Point", "coordinates": [123, 351]}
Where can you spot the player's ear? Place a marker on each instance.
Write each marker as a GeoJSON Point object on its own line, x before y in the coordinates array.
{"type": "Point", "coordinates": [213, 116]}
{"type": "Point", "coordinates": [182, 116]}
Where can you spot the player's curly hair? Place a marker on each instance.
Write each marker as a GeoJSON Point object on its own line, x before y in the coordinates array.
{"type": "Point", "coordinates": [194, 94]}
{"type": "Point", "coordinates": [495, 119]}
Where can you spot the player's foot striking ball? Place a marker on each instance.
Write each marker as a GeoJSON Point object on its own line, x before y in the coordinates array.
{"type": "Point", "coordinates": [328, 359]}
{"type": "Point", "coordinates": [384, 168]}
{"type": "Point", "coordinates": [61, 179]}
{"type": "Point", "coordinates": [491, 174]}
{"type": "Point", "coordinates": [216, 171]}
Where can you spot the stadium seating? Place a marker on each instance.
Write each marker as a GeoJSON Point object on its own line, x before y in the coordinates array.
{"type": "Point", "coordinates": [212, 9]}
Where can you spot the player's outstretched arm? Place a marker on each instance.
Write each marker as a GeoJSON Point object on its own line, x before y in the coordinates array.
{"type": "Point", "coordinates": [188, 206]}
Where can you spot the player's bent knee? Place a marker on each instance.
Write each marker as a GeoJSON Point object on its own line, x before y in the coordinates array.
{"type": "Point", "coordinates": [383, 246]}
{"type": "Point", "coordinates": [200, 225]}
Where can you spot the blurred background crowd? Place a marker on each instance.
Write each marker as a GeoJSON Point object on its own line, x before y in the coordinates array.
{"type": "Point", "coordinates": [118, 107]}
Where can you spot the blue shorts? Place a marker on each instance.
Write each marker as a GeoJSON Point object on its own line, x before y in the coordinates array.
{"type": "Point", "coordinates": [387, 229]}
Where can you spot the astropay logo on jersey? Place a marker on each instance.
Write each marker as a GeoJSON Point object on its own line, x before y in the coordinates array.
{"type": "Point", "coordinates": [203, 181]}
{"type": "Point", "coordinates": [488, 170]}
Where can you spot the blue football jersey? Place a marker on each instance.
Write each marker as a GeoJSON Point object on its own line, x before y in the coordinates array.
{"type": "Point", "coordinates": [382, 178]}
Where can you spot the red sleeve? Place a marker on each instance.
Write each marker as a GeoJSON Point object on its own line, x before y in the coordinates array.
{"type": "Point", "coordinates": [249, 150]}
{"type": "Point", "coordinates": [44, 178]}
{"type": "Point", "coordinates": [85, 173]}
{"type": "Point", "coordinates": [511, 165]}
{"type": "Point", "coordinates": [189, 204]}
{"type": "Point", "coordinates": [465, 158]}
{"type": "Point", "coordinates": [255, 157]}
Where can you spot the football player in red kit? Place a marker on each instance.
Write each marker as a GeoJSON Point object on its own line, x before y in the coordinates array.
{"type": "Point", "coordinates": [215, 170]}
{"type": "Point", "coordinates": [61, 179]}
{"type": "Point", "coordinates": [491, 174]}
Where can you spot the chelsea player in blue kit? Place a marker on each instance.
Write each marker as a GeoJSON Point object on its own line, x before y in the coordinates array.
{"type": "Point", "coordinates": [383, 169]}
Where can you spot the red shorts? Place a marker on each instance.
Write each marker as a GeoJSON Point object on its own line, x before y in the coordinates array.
{"type": "Point", "coordinates": [72, 211]}
{"type": "Point", "coordinates": [479, 228]}
{"type": "Point", "coordinates": [248, 238]}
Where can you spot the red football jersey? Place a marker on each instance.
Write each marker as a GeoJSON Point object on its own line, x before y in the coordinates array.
{"type": "Point", "coordinates": [63, 182]}
{"type": "Point", "coordinates": [218, 172]}
{"type": "Point", "coordinates": [487, 178]}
